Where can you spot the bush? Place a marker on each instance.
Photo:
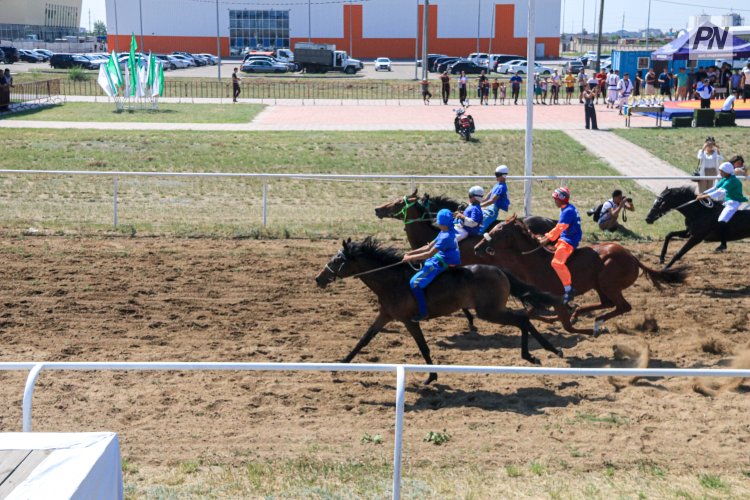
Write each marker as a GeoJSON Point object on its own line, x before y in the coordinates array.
{"type": "Point", "coordinates": [78, 74]}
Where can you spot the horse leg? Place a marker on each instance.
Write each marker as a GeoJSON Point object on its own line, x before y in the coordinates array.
{"type": "Point", "coordinates": [416, 333]}
{"type": "Point", "coordinates": [674, 234]}
{"type": "Point", "coordinates": [604, 303]}
{"type": "Point", "coordinates": [546, 344]}
{"type": "Point", "coordinates": [622, 306]}
{"type": "Point", "coordinates": [563, 313]}
{"type": "Point", "coordinates": [691, 242]}
{"type": "Point", "coordinates": [521, 321]}
{"type": "Point", "coordinates": [380, 321]}
{"type": "Point", "coordinates": [470, 319]}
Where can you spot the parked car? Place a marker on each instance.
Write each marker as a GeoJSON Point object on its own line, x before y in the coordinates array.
{"type": "Point", "coordinates": [177, 62]}
{"type": "Point", "coordinates": [468, 67]}
{"type": "Point", "coordinates": [186, 55]}
{"type": "Point", "coordinates": [11, 54]}
{"type": "Point", "coordinates": [44, 52]}
{"type": "Point", "coordinates": [431, 58]}
{"type": "Point", "coordinates": [505, 67]}
{"type": "Point", "coordinates": [200, 60]}
{"type": "Point", "coordinates": [29, 56]}
{"type": "Point", "coordinates": [261, 66]}
{"type": "Point", "coordinates": [444, 63]}
{"type": "Point", "coordinates": [497, 59]}
{"type": "Point", "coordinates": [574, 66]}
{"type": "Point", "coordinates": [523, 69]}
{"type": "Point", "coordinates": [188, 60]}
{"type": "Point", "coordinates": [212, 59]}
{"type": "Point", "coordinates": [382, 63]}
{"type": "Point", "coordinates": [62, 61]}
{"type": "Point", "coordinates": [480, 58]}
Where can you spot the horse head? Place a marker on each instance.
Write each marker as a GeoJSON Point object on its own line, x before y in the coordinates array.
{"type": "Point", "coordinates": [355, 258]}
{"type": "Point", "coordinates": [396, 209]}
{"type": "Point", "coordinates": [335, 268]}
{"type": "Point", "coordinates": [511, 234]}
{"type": "Point", "coordinates": [669, 199]}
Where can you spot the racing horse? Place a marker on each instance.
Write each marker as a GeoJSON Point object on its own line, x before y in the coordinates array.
{"type": "Point", "coordinates": [701, 220]}
{"type": "Point", "coordinates": [483, 288]}
{"type": "Point", "coordinates": [608, 268]}
{"type": "Point", "coordinates": [418, 215]}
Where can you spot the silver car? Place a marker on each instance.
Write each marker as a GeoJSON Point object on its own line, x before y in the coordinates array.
{"type": "Point", "coordinates": [382, 63]}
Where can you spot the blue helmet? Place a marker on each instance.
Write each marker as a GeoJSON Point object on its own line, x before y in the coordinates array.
{"type": "Point", "coordinates": [445, 217]}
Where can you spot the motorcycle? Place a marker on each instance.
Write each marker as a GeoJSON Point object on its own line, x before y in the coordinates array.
{"type": "Point", "coordinates": [464, 124]}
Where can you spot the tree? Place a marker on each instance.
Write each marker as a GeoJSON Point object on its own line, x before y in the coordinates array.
{"type": "Point", "coordinates": [100, 29]}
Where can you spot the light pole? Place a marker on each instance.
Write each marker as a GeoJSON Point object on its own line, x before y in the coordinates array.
{"type": "Point", "coordinates": [599, 39]}
{"type": "Point", "coordinates": [424, 38]}
{"type": "Point", "coordinates": [648, 24]}
{"type": "Point", "coordinates": [309, 22]}
{"type": "Point", "coordinates": [583, 16]}
{"type": "Point", "coordinates": [218, 41]}
{"type": "Point", "coordinates": [117, 32]}
{"type": "Point", "coordinates": [351, 50]}
{"type": "Point", "coordinates": [479, 13]}
{"type": "Point", "coordinates": [529, 149]}
{"type": "Point", "coordinates": [416, 46]}
{"type": "Point", "coordinates": [140, 10]}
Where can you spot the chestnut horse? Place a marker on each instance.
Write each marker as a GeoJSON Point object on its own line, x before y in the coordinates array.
{"type": "Point", "coordinates": [483, 288]}
{"type": "Point", "coordinates": [608, 268]}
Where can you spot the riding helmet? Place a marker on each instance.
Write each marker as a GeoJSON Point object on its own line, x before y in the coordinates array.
{"type": "Point", "coordinates": [725, 167]}
{"type": "Point", "coordinates": [501, 170]}
{"type": "Point", "coordinates": [445, 217]}
{"type": "Point", "coordinates": [476, 191]}
{"type": "Point", "coordinates": [561, 193]}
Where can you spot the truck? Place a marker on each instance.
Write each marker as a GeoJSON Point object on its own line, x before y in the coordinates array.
{"type": "Point", "coordinates": [322, 58]}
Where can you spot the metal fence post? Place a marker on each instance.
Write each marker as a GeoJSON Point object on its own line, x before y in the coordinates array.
{"type": "Point", "coordinates": [28, 393]}
{"type": "Point", "coordinates": [265, 203]}
{"type": "Point", "coordinates": [114, 203]}
{"type": "Point", "coordinates": [398, 438]}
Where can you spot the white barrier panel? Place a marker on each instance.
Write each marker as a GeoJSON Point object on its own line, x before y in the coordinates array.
{"type": "Point", "coordinates": [400, 370]}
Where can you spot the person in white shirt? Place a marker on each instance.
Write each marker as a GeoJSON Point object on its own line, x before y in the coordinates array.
{"type": "Point", "coordinates": [705, 91]}
{"type": "Point", "coordinates": [745, 83]}
{"type": "Point", "coordinates": [613, 81]}
{"type": "Point", "coordinates": [611, 211]}
{"type": "Point", "coordinates": [728, 103]}
{"type": "Point", "coordinates": [624, 89]}
{"type": "Point", "coordinates": [709, 159]}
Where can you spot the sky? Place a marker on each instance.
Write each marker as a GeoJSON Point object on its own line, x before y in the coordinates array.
{"type": "Point", "coordinates": [665, 14]}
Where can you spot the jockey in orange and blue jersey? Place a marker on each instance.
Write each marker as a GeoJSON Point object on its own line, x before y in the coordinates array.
{"type": "Point", "coordinates": [568, 234]}
{"type": "Point", "coordinates": [440, 253]}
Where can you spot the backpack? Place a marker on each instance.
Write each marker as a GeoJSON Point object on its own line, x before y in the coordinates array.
{"type": "Point", "coordinates": [595, 213]}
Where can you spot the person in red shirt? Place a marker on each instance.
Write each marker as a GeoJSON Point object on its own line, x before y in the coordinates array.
{"type": "Point", "coordinates": [602, 77]}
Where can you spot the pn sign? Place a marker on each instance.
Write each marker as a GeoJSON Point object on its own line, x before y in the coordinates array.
{"type": "Point", "coordinates": [710, 35]}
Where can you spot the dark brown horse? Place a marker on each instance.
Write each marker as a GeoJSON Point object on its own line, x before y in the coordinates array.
{"type": "Point", "coordinates": [418, 214]}
{"type": "Point", "coordinates": [483, 288]}
{"type": "Point", "coordinates": [608, 268]}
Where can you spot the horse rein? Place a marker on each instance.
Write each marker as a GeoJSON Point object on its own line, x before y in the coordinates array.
{"type": "Point", "coordinates": [357, 275]}
{"type": "Point", "coordinates": [488, 238]}
{"type": "Point", "coordinates": [425, 217]}
{"type": "Point", "coordinates": [708, 203]}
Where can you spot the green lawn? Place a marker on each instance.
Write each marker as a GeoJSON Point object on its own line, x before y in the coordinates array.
{"type": "Point", "coordinates": [680, 146]}
{"type": "Point", "coordinates": [232, 206]}
{"type": "Point", "coordinates": [166, 113]}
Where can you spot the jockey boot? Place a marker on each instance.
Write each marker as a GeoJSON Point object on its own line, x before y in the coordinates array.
{"type": "Point", "coordinates": [421, 303]}
{"type": "Point", "coordinates": [569, 296]}
{"type": "Point", "coordinates": [723, 233]}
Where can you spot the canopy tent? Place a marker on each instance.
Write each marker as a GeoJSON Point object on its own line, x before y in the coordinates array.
{"type": "Point", "coordinates": [704, 42]}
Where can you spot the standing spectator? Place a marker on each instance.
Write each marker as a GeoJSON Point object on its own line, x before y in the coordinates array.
{"type": "Point", "coordinates": [682, 82]}
{"type": "Point", "coordinates": [462, 89]}
{"type": "Point", "coordinates": [235, 85]}
{"type": "Point", "coordinates": [445, 88]}
{"type": "Point", "coordinates": [650, 82]}
{"type": "Point", "coordinates": [426, 95]}
{"type": "Point", "coordinates": [700, 75]}
{"type": "Point", "coordinates": [589, 96]}
{"type": "Point", "coordinates": [537, 88]}
{"type": "Point", "coordinates": [736, 83]}
{"type": "Point", "coordinates": [5, 84]}
{"type": "Point", "coordinates": [705, 91]}
{"type": "Point", "coordinates": [544, 85]}
{"type": "Point", "coordinates": [709, 159]}
{"type": "Point", "coordinates": [515, 86]}
{"type": "Point", "coordinates": [486, 91]}
{"type": "Point", "coordinates": [570, 83]}
{"type": "Point", "coordinates": [480, 87]}
{"type": "Point", "coordinates": [502, 93]}
{"type": "Point", "coordinates": [613, 83]}
{"type": "Point", "coordinates": [745, 82]}
{"type": "Point", "coordinates": [601, 78]}
{"type": "Point", "coordinates": [582, 79]}
{"type": "Point", "coordinates": [725, 78]}
{"type": "Point", "coordinates": [624, 89]}
{"type": "Point", "coordinates": [555, 87]}
{"type": "Point", "coordinates": [690, 84]}
{"type": "Point", "coordinates": [712, 75]}
{"type": "Point", "coordinates": [8, 78]}
{"type": "Point", "coordinates": [637, 83]}
{"type": "Point", "coordinates": [495, 88]}
{"type": "Point", "coordinates": [665, 84]}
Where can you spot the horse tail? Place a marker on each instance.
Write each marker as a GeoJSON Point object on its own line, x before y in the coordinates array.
{"type": "Point", "coordinates": [529, 294]}
{"type": "Point", "coordinates": [671, 276]}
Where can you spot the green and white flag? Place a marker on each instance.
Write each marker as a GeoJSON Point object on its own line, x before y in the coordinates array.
{"type": "Point", "coordinates": [152, 69]}
{"type": "Point", "coordinates": [133, 66]}
{"type": "Point", "coordinates": [113, 68]}
{"type": "Point", "coordinates": [105, 81]}
{"type": "Point", "coordinates": [157, 88]}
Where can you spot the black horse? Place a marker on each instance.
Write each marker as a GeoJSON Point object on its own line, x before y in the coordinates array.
{"type": "Point", "coordinates": [701, 221]}
{"type": "Point", "coordinates": [481, 287]}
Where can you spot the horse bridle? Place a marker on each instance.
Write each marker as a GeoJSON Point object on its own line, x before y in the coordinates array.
{"type": "Point", "coordinates": [341, 266]}
{"type": "Point", "coordinates": [708, 203]}
{"type": "Point", "coordinates": [426, 213]}
{"type": "Point", "coordinates": [336, 274]}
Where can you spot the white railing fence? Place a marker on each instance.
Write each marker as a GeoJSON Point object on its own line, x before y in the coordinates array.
{"type": "Point", "coordinates": [265, 178]}
{"type": "Point", "coordinates": [400, 370]}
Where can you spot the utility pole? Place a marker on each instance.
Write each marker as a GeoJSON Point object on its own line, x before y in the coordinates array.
{"type": "Point", "coordinates": [416, 46]}
{"type": "Point", "coordinates": [529, 145]}
{"type": "Point", "coordinates": [90, 21]}
{"type": "Point", "coordinates": [351, 50]}
{"type": "Point", "coordinates": [140, 10]}
{"type": "Point", "coordinates": [622, 29]}
{"type": "Point", "coordinates": [309, 22]}
{"type": "Point", "coordinates": [583, 16]}
{"type": "Point", "coordinates": [218, 41]}
{"type": "Point", "coordinates": [479, 13]}
{"type": "Point", "coordinates": [599, 39]}
{"type": "Point", "coordinates": [648, 24]}
{"type": "Point", "coordinates": [425, 19]}
{"type": "Point", "coordinates": [117, 32]}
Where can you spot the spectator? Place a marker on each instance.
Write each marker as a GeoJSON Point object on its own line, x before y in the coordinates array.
{"type": "Point", "coordinates": [589, 96]}
{"type": "Point", "coordinates": [705, 91]}
{"type": "Point", "coordinates": [637, 83]}
{"type": "Point", "coordinates": [235, 85]}
{"type": "Point", "coordinates": [613, 85]}
{"type": "Point", "coordinates": [555, 87]}
{"type": "Point", "coordinates": [582, 79]}
{"type": "Point", "coordinates": [736, 82]}
{"type": "Point", "coordinates": [426, 95]}
{"type": "Point", "coordinates": [712, 75]}
{"type": "Point", "coordinates": [700, 74]}
{"type": "Point", "coordinates": [650, 83]}
{"type": "Point", "coordinates": [690, 84]}
{"type": "Point", "coordinates": [515, 86]}
{"type": "Point", "coordinates": [544, 85]}
{"type": "Point", "coordinates": [8, 78]}
{"type": "Point", "coordinates": [682, 82]}
{"type": "Point", "coordinates": [5, 84]}
{"type": "Point", "coordinates": [665, 84]}
{"type": "Point", "coordinates": [502, 93]}
{"type": "Point", "coordinates": [739, 165]}
{"type": "Point", "coordinates": [445, 88]}
{"type": "Point", "coordinates": [611, 210]}
{"type": "Point", "coordinates": [725, 79]}
{"type": "Point", "coordinates": [601, 78]}
{"type": "Point", "coordinates": [728, 103]}
{"type": "Point", "coordinates": [745, 82]}
{"type": "Point", "coordinates": [709, 159]}
{"type": "Point", "coordinates": [624, 89]}
{"type": "Point", "coordinates": [537, 88]}
{"type": "Point", "coordinates": [570, 83]}
{"type": "Point", "coordinates": [486, 91]}
{"type": "Point", "coordinates": [495, 88]}
{"type": "Point", "coordinates": [462, 97]}
{"type": "Point", "coordinates": [480, 83]}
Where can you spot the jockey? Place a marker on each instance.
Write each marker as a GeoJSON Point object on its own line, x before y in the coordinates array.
{"type": "Point", "coordinates": [497, 199]}
{"type": "Point", "coordinates": [568, 230]}
{"type": "Point", "coordinates": [441, 254]}
{"type": "Point", "coordinates": [469, 222]}
{"type": "Point", "coordinates": [728, 190]}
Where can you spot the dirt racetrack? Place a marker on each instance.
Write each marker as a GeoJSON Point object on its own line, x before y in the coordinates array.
{"type": "Point", "coordinates": [165, 299]}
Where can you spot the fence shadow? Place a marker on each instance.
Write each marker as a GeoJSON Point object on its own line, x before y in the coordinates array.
{"type": "Point", "coordinates": [468, 341]}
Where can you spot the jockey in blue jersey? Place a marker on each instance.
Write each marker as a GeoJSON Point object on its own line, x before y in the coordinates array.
{"type": "Point", "coordinates": [497, 199]}
{"type": "Point", "coordinates": [441, 254]}
{"type": "Point", "coordinates": [469, 222]}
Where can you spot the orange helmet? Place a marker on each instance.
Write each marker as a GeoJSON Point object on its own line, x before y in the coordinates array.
{"type": "Point", "coordinates": [561, 193]}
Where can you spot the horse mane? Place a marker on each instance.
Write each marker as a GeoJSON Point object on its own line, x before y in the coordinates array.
{"type": "Point", "coordinates": [524, 228]}
{"type": "Point", "coordinates": [442, 201]}
{"type": "Point", "coordinates": [684, 191]}
{"type": "Point", "coordinates": [370, 248]}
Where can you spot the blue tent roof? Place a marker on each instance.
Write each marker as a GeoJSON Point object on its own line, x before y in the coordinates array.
{"type": "Point", "coordinates": [704, 42]}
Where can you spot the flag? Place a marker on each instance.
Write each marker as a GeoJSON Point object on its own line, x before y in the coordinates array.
{"type": "Point", "coordinates": [128, 82]}
{"type": "Point", "coordinates": [158, 88]}
{"type": "Point", "coordinates": [132, 66]}
{"type": "Point", "coordinates": [141, 81]}
{"type": "Point", "coordinates": [114, 71]}
{"type": "Point", "coordinates": [105, 81]}
{"type": "Point", "coordinates": [151, 71]}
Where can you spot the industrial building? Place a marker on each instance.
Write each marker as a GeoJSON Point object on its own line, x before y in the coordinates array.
{"type": "Point", "coordinates": [39, 19]}
{"type": "Point", "coordinates": [365, 28]}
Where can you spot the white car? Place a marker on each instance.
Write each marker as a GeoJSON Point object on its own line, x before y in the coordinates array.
{"type": "Point", "coordinates": [179, 62]}
{"type": "Point", "coordinates": [189, 61]}
{"type": "Point", "coordinates": [505, 67]}
{"type": "Point", "coordinates": [212, 60]}
{"type": "Point", "coordinates": [523, 69]}
{"type": "Point", "coordinates": [382, 63]}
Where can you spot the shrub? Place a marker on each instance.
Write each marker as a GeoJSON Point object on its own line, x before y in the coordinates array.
{"type": "Point", "coordinates": [77, 74]}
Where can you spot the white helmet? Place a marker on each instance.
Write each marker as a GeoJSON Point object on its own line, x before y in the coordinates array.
{"type": "Point", "coordinates": [476, 191]}
{"type": "Point", "coordinates": [725, 167]}
{"type": "Point", "coordinates": [501, 170]}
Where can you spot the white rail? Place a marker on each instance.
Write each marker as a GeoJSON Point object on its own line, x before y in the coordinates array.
{"type": "Point", "coordinates": [400, 370]}
{"type": "Point", "coordinates": [393, 178]}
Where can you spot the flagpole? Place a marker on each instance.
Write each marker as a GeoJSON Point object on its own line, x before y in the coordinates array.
{"type": "Point", "coordinates": [218, 40]}
{"type": "Point", "coordinates": [140, 10]}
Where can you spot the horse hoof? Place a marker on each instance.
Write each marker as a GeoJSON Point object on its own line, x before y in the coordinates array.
{"type": "Point", "coordinates": [533, 360]}
{"type": "Point", "coordinates": [431, 378]}
{"type": "Point", "coordinates": [559, 353]}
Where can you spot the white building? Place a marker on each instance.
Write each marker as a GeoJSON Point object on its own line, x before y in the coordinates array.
{"type": "Point", "coordinates": [727, 20]}
{"type": "Point", "coordinates": [366, 28]}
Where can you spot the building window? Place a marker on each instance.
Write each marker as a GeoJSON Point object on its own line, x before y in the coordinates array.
{"type": "Point", "coordinates": [258, 29]}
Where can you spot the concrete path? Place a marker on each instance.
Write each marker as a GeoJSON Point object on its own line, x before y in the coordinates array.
{"type": "Point", "coordinates": [628, 158]}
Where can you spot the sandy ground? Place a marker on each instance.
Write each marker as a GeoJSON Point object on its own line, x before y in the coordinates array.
{"type": "Point", "coordinates": [148, 299]}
